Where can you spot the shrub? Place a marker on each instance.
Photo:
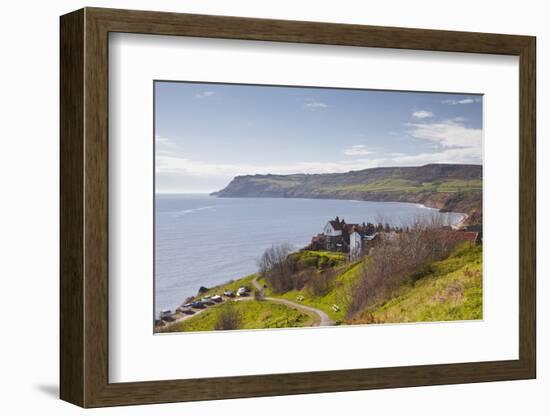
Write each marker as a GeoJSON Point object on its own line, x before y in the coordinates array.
{"type": "Point", "coordinates": [258, 295]}
{"type": "Point", "coordinates": [229, 318]}
{"type": "Point", "coordinates": [321, 283]}
{"type": "Point", "coordinates": [395, 259]}
{"type": "Point", "coordinates": [278, 267]}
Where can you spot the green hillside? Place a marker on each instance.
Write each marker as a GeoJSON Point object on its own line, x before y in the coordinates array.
{"type": "Point", "coordinates": [449, 290]}
{"type": "Point", "coordinates": [448, 187]}
{"type": "Point", "coordinates": [253, 314]}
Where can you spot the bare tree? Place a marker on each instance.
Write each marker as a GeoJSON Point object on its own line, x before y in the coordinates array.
{"type": "Point", "coordinates": [398, 257]}
{"type": "Point", "coordinates": [277, 267]}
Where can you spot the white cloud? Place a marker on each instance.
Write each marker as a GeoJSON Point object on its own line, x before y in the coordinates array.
{"type": "Point", "coordinates": [165, 146]}
{"type": "Point", "coordinates": [175, 165]}
{"type": "Point", "coordinates": [463, 101]}
{"type": "Point", "coordinates": [422, 114]}
{"type": "Point", "coordinates": [315, 105]}
{"type": "Point", "coordinates": [205, 94]}
{"type": "Point", "coordinates": [449, 134]}
{"type": "Point", "coordinates": [453, 142]}
{"type": "Point", "coordinates": [357, 150]}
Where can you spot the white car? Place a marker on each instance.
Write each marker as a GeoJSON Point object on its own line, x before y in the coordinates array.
{"type": "Point", "coordinates": [242, 291]}
{"type": "Point", "coordinates": [165, 313]}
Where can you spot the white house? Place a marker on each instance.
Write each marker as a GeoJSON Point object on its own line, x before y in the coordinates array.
{"type": "Point", "coordinates": [358, 242]}
{"type": "Point", "coordinates": [355, 244]}
{"type": "Point", "coordinates": [333, 229]}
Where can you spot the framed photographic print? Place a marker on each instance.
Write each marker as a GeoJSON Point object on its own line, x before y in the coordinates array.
{"type": "Point", "coordinates": [255, 207]}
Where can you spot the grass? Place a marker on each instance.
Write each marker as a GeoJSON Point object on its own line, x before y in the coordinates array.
{"type": "Point", "coordinates": [277, 183]}
{"type": "Point", "coordinates": [337, 296]}
{"type": "Point", "coordinates": [450, 290]}
{"type": "Point", "coordinates": [405, 185]}
{"type": "Point", "coordinates": [318, 259]}
{"type": "Point", "coordinates": [254, 314]}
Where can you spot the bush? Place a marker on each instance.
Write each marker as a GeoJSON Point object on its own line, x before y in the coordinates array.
{"type": "Point", "coordinates": [230, 318]}
{"type": "Point", "coordinates": [258, 295]}
{"type": "Point", "coordinates": [397, 258]}
{"type": "Point", "coordinates": [321, 283]}
{"type": "Point", "coordinates": [277, 267]}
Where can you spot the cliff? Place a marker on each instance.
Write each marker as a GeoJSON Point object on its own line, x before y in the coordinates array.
{"type": "Point", "coordinates": [448, 187]}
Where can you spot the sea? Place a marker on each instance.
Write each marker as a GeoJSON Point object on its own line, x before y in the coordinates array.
{"type": "Point", "coordinates": [202, 240]}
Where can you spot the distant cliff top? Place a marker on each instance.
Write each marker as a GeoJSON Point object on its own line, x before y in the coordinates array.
{"type": "Point", "coordinates": [427, 178]}
{"type": "Point", "coordinates": [449, 187]}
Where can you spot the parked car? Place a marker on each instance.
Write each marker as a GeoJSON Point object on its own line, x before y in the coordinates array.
{"type": "Point", "coordinates": [243, 291]}
{"type": "Point", "coordinates": [207, 301]}
{"type": "Point", "coordinates": [197, 305]}
{"type": "Point", "coordinates": [185, 311]}
{"type": "Point", "coordinates": [165, 313]}
{"type": "Point", "coordinates": [229, 293]}
{"type": "Point", "coordinates": [217, 298]}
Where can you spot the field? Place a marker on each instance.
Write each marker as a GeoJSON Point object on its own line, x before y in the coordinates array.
{"type": "Point", "coordinates": [405, 185]}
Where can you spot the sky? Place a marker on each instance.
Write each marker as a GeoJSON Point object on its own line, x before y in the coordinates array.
{"type": "Point", "coordinates": [206, 134]}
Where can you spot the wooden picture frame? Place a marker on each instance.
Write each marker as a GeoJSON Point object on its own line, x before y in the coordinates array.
{"type": "Point", "coordinates": [84, 207]}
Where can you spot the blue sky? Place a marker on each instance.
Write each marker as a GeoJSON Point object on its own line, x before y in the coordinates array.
{"type": "Point", "coordinates": [206, 134]}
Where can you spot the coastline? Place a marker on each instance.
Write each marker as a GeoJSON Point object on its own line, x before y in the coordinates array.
{"type": "Point", "coordinates": [456, 220]}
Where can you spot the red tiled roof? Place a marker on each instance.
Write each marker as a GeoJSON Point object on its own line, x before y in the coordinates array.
{"type": "Point", "coordinates": [470, 236]}
{"type": "Point", "coordinates": [337, 225]}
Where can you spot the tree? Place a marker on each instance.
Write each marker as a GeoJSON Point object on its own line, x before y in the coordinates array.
{"type": "Point", "coordinates": [277, 267]}
{"type": "Point", "coordinates": [399, 257]}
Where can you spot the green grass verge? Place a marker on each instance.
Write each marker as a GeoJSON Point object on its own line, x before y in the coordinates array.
{"type": "Point", "coordinates": [318, 259]}
{"type": "Point", "coordinates": [347, 274]}
{"type": "Point", "coordinates": [254, 314]}
{"type": "Point", "coordinates": [450, 290]}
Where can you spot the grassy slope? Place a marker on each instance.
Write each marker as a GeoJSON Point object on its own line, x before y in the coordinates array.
{"type": "Point", "coordinates": [405, 185]}
{"type": "Point", "coordinates": [318, 259]}
{"type": "Point", "coordinates": [347, 273]}
{"type": "Point", "coordinates": [255, 315]}
{"type": "Point", "coordinates": [452, 290]}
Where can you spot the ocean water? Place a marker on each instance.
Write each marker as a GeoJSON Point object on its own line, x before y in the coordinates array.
{"type": "Point", "coordinates": [205, 241]}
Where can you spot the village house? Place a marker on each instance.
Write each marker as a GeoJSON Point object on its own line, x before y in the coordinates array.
{"type": "Point", "coordinates": [343, 237]}
{"type": "Point", "coordinates": [355, 239]}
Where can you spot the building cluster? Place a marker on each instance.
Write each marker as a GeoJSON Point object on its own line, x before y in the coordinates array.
{"type": "Point", "coordinates": [356, 239]}
{"type": "Point", "coordinates": [340, 236]}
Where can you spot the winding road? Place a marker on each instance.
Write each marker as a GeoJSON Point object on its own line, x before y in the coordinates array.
{"type": "Point", "coordinates": [322, 317]}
